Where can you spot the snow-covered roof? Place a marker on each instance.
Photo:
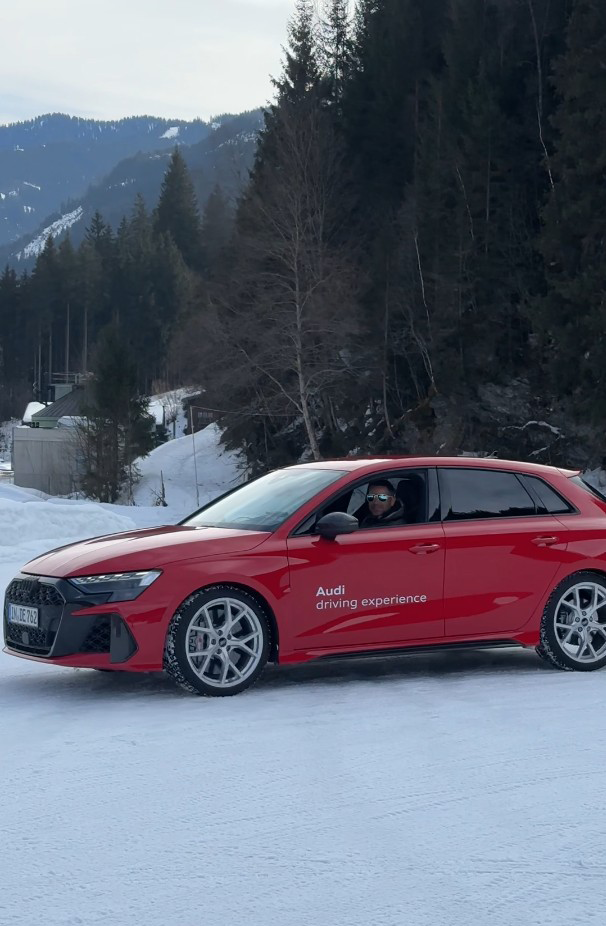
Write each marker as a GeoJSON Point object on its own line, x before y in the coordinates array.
{"type": "Point", "coordinates": [69, 404]}
{"type": "Point", "coordinates": [32, 408]}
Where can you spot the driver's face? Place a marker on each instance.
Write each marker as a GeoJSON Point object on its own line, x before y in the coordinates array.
{"type": "Point", "coordinates": [376, 506]}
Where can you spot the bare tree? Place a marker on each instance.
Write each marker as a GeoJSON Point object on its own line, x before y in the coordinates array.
{"type": "Point", "coordinates": [288, 322]}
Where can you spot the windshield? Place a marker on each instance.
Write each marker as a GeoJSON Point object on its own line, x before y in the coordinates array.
{"type": "Point", "coordinates": [263, 505]}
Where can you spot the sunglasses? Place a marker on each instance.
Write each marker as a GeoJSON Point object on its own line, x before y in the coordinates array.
{"type": "Point", "coordinates": [380, 496]}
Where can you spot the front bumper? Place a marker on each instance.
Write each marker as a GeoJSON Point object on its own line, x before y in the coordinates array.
{"type": "Point", "coordinates": [65, 628]}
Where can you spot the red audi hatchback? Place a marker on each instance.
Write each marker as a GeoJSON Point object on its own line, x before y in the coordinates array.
{"type": "Point", "coordinates": [331, 559]}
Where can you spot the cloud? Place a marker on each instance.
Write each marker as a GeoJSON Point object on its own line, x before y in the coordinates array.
{"type": "Point", "coordinates": [182, 59]}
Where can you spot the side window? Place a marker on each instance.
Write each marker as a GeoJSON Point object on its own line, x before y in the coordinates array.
{"type": "Point", "coordinates": [407, 505]}
{"type": "Point", "coordinates": [475, 493]}
{"type": "Point", "coordinates": [549, 501]}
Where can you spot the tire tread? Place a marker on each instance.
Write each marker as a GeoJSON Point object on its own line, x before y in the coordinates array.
{"type": "Point", "coordinates": [545, 649]}
{"type": "Point", "coordinates": [171, 661]}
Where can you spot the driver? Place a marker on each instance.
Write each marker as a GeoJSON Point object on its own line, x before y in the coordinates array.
{"type": "Point", "coordinates": [385, 509]}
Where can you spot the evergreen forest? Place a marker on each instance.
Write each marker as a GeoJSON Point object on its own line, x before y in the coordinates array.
{"type": "Point", "coordinates": [416, 263]}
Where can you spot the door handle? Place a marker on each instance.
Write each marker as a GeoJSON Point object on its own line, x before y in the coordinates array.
{"type": "Point", "coordinates": [545, 541]}
{"type": "Point", "coordinates": [421, 548]}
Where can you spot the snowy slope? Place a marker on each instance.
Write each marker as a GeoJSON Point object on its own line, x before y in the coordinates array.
{"type": "Point", "coordinates": [35, 247]}
{"type": "Point", "coordinates": [179, 462]}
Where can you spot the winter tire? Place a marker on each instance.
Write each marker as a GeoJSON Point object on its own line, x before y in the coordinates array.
{"type": "Point", "coordinates": [217, 642]}
{"type": "Point", "coordinates": [573, 626]}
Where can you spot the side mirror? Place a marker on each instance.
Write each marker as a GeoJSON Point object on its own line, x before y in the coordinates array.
{"type": "Point", "coordinates": [335, 523]}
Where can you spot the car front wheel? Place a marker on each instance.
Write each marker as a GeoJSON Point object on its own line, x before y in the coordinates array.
{"type": "Point", "coordinates": [573, 627]}
{"type": "Point", "coordinates": [217, 642]}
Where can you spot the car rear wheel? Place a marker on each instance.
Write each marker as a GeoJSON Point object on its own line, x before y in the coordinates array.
{"type": "Point", "coordinates": [217, 642]}
{"type": "Point", "coordinates": [573, 627]}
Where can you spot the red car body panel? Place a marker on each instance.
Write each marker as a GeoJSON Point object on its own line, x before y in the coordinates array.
{"type": "Point", "coordinates": [387, 588]}
{"type": "Point", "coordinates": [379, 573]}
{"type": "Point", "coordinates": [132, 550]}
{"type": "Point", "coordinates": [479, 597]}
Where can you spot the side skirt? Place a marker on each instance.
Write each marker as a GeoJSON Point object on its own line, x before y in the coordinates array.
{"type": "Point", "coordinates": [429, 648]}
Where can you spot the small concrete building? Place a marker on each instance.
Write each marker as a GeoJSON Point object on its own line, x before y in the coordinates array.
{"type": "Point", "coordinates": [46, 454]}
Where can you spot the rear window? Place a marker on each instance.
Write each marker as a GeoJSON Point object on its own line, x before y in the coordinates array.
{"type": "Point", "coordinates": [548, 500]}
{"type": "Point", "coordinates": [476, 493]}
{"type": "Point", "coordinates": [584, 484]}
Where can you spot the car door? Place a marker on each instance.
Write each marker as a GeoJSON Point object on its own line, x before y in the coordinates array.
{"type": "Point", "coordinates": [502, 555]}
{"type": "Point", "coordinates": [374, 588]}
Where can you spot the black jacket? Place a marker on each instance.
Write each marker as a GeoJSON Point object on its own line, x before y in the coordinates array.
{"type": "Point", "coordinates": [394, 516]}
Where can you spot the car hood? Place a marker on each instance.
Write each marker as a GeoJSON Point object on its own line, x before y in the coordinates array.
{"type": "Point", "coordinates": [142, 549]}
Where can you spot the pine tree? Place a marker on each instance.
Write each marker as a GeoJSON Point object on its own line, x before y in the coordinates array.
{"type": "Point", "coordinates": [336, 48]}
{"type": "Point", "coordinates": [16, 357]}
{"type": "Point", "coordinates": [94, 290]}
{"type": "Point", "coordinates": [173, 288]}
{"type": "Point", "coordinates": [99, 236]}
{"type": "Point", "coordinates": [380, 102]}
{"type": "Point", "coordinates": [116, 428]}
{"type": "Point", "coordinates": [43, 304]}
{"type": "Point", "coordinates": [177, 211]}
{"type": "Point", "coordinates": [217, 229]}
{"type": "Point", "coordinates": [571, 316]}
{"type": "Point", "coordinates": [298, 87]}
{"type": "Point", "coordinates": [301, 73]}
{"type": "Point", "coordinates": [69, 309]}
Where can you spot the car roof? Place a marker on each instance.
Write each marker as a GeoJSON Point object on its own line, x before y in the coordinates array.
{"type": "Point", "coordinates": [379, 464]}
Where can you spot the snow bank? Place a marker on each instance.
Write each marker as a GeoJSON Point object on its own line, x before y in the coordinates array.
{"type": "Point", "coordinates": [15, 493]}
{"type": "Point", "coordinates": [30, 525]}
{"type": "Point", "coordinates": [45, 520]}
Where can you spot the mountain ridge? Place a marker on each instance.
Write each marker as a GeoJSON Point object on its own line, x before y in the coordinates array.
{"type": "Point", "coordinates": [223, 154]}
{"type": "Point", "coordinates": [53, 158]}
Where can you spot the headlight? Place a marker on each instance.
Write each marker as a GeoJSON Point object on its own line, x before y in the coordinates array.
{"type": "Point", "coordinates": [121, 586]}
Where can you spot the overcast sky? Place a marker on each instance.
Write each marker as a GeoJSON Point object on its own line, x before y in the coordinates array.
{"type": "Point", "coordinates": [114, 58]}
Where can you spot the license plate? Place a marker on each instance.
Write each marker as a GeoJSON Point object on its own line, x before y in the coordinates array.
{"type": "Point", "coordinates": [20, 614]}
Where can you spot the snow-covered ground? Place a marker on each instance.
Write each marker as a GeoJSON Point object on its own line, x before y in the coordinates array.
{"type": "Point", "coordinates": [438, 790]}
{"type": "Point", "coordinates": [445, 789]}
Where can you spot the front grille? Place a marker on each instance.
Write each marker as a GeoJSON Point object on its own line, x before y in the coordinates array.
{"type": "Point", "coordinates": [99, 637]}
{"type": "Point", "coordinates": [34, 593]}
{"type": "Point", "coordinates": [28, 639]}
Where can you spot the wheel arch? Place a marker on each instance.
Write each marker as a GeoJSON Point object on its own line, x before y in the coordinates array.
{"type": "Point", "coordinates": [274, 643]}
{"type": "Point", "coordinates": [600, 573]}
{"type": "Point", "coordinates": [550, 647]}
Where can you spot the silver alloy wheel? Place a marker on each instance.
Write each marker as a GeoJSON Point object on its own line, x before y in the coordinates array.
{"type": "Point", "coordinates": [580, 622]}
{"type": "Point", "coordinates": [224, 642]}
